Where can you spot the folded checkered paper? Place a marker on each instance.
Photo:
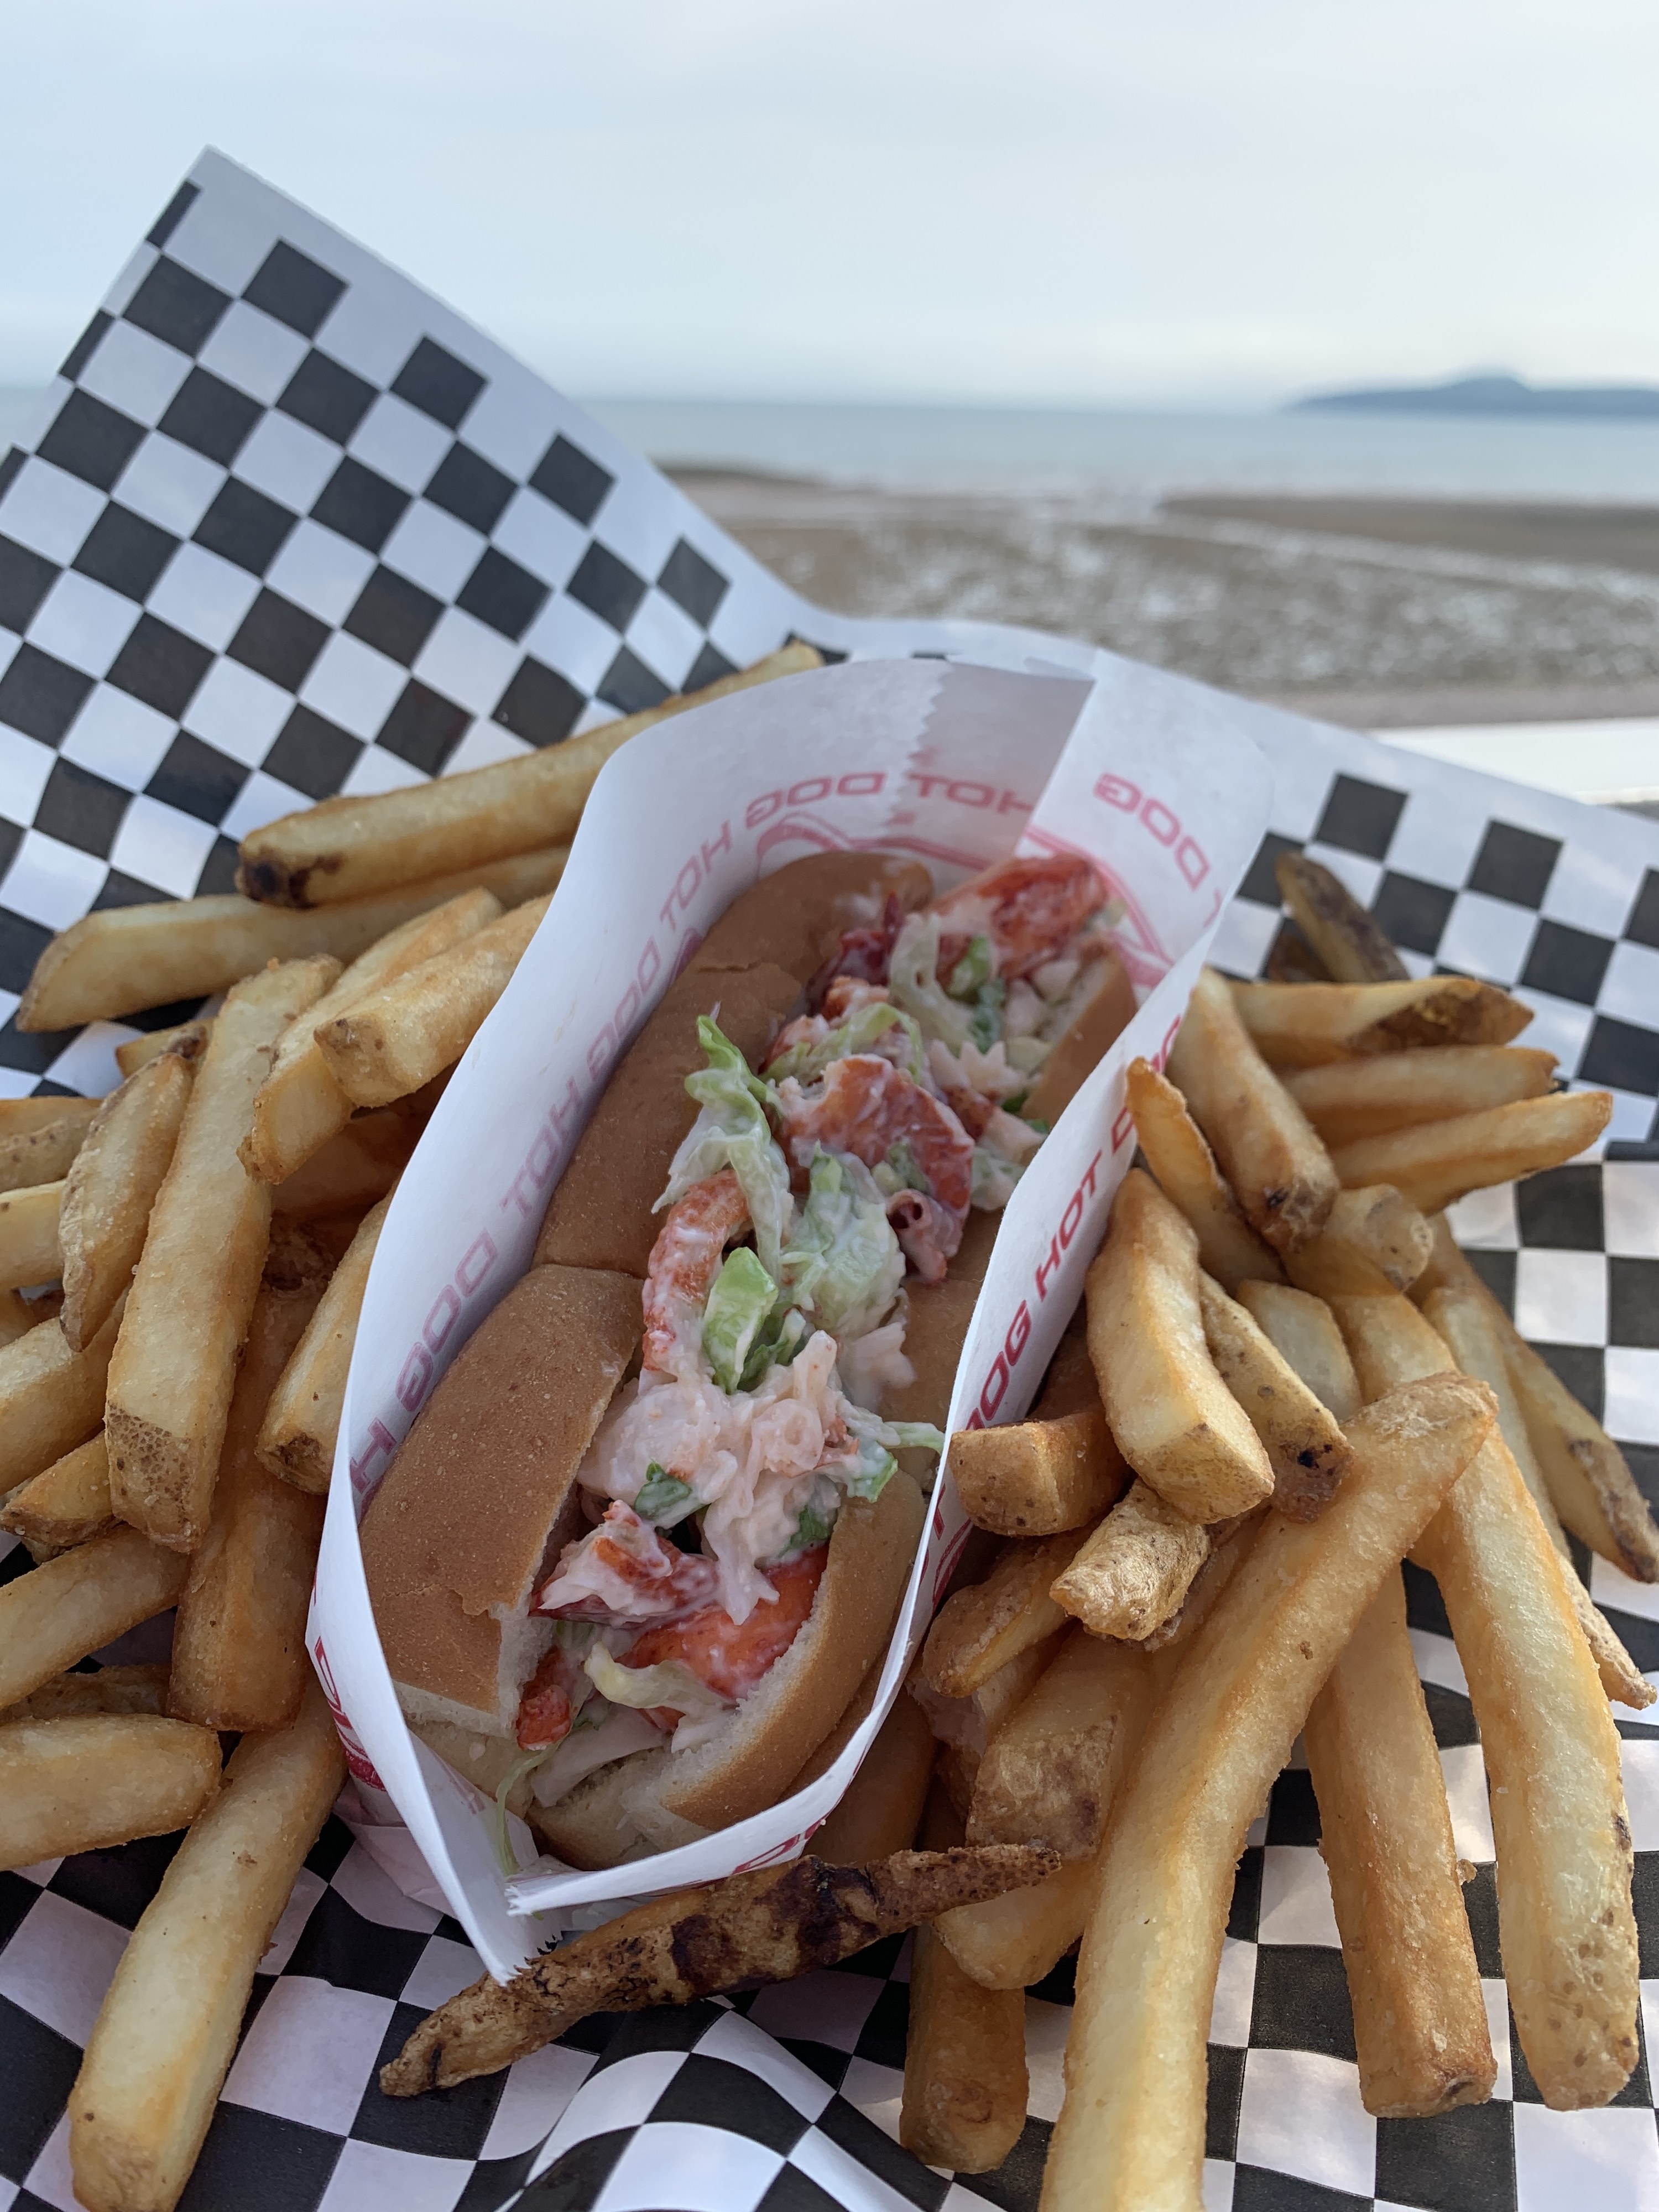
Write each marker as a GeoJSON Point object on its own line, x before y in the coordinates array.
{"type": "Point", "coordinates": [189, 644]}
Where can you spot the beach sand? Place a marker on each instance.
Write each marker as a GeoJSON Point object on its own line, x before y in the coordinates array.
{"type": "Point", "coordinates": [1379, 613]}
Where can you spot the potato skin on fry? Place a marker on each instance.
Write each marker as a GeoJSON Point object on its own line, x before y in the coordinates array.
{"type": "Point", "coordinates": [1134, 1572]}
{"type": "Point", "coordinates": [1374, 1241]}
{"type": "Point", "coordinates": [1181, 1159]}
{"type": "Point", "coordinates": [1439, 1162]}
{"type": "Point", "coordinates": [1305, 1025]}
{"type": "Point", "coordinates": [1307, 1451]}
{"type": "Point", "coordinates": [1039, 1478]}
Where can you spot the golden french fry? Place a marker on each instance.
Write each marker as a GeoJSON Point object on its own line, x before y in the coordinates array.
{"type": "Point", "coordinates": [76, 1603]}
{"type": "Point", "coordinates": [103, 1690]}
{"type": "Point", "coordinates": [1045, 1775]}
{"type": "Point", "coordinates": [1180, 1157]}
{"type": "Point", "coordinates": [354, 1171]}
{"type": "Point", "coordinates": [1419, 2018]}
{"type": "Point", "coordinates": [1349, 944]}
{"type": "Point", "coordinates": [1304, 1331]}
{"type": "Point", "coordinates": [1462, 1320]}
{"type": "Point", "coordinates": [67, 1504]}
{"type": "Point", "coordinates": [1306, 1449]}
{"type": "Point", "coordinates": [1594, 1490]}
{"type": "Point", "coordinates": [1291, 959]}
{"type": "Point", "coordinates": [127, 957]}
{"type": "Point", "coordinates": [1551, 1750]}
{"type": "Point", "coordinates": [1131, 2132]}
{"type": "Point", "coordinates": [17, 1317]}
{"type": "Point", "coordinates": [188, 1040]}
{"type": "Point", "coordinates": [168, 2026]}
{"type": "Point", "coordinates": [1347, 1099]}
{"type": "Point", "coordinates": [1134, 1572]}
{"type": "Point", "coordinates": [1374, 1241]}
{"type": "Point", "coordinates": [402, 1034]}
{"type": "Point", "coordinates": [51, 1398]}
{"type": "Point", "coordinates": [109, 1191]}
{"type": "Point", "coordinates": [28, 1235]}
{"type": "Point", "coordinates": [301, 1420]}
{"type": "Point", "coordinates": [883, 1805]}
{"type": "Point", "coordinates": [347, 847]}
{"type": "Point", "coordinates": [978, 1631]}
{"type": "Point", "coordinates": [1305, 1025]}
{"type": "Point", "coordinates": [38, 1138]}
{"type": "Point", "coordinates": [300, 1105]}
{"type": "Point", "coordinates": [176, 1359]}
{"type": "Point", "coordinates": [1038, 1478]}
{"type": "Point", "coordinates": [238, 1644]}
{"type": "Point", "coordinates": [1277, 1168]}
{"type": "Point", "coordinates": [87, 1785]}
{"type": "Point", "coordinates": [1176, 1422]}
{"type": "Point", "coordinates": [1439, 1162]}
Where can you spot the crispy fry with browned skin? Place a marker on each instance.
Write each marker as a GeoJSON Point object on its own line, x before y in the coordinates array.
{"type": "Point", "coordinates": [1594, 1490]}
{"type": "Point", "coordinates": [1305, 1025]}
{"type": "Point", "coordinates": [188, 1040]}
{"type": "Point", "coordinates": [1374, 1241]}
{"type": "Point", "coordinates": [1178, 1155]}
{"type": "Point", "coordinates": [1039, 1478]}
{"type": "Point", "coordinates": [1174, 1418]}
{"type": "Point", "coordinates": [1306, 1448]}
{"type": "Point", "coordinates": [1350, 945]}
{"type": "Point", "coordinates": [750, 1928]}
{"type": "Point", "coordinates": [111, 1187]}
{"type": "Point", "coordinates": [1304, 1330]}
{"type": "Point", "coordinates": [979, 1629]}
{"type": "Point", "coordinates": [1046, 1775]}
{"type": "Point", "coordinates": [1347, 1099]}
{"type": "Point", "coordinates": [301, 1418]}
{"type": "Point", "coordinates": [1134, 1573]}
{"type": "Point", "coordinates": [1439, 1162]}
{"type": "Point", "coordinates": [39, 1138]}
{"type": "Point", "coordinates": [67, 1504]}
{"type": "Point", "coordinates": [1277, 1167]}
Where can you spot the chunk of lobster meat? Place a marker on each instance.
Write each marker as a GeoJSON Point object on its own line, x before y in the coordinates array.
{"type": "Point", "coordinates": [730, 1657]}
{"type": "Point", "coordinates": [862, 955]}
{"type": "Point", "coordinates": [1029, 906]}
{"type": "Point", "coordinates": [929, 1234]}
{"type": "Point", "coordinates": [548, 1706]}
{"type": "Point", "coordinates": [624, 1572]}
{"type": "Point", "coordinates": [865, 1106]}
{"type": "Point", "coordinates": [684, 1263]}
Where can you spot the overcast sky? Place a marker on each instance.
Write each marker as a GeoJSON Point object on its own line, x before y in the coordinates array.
{"type": "Point", "coordinates": [1180, 201]}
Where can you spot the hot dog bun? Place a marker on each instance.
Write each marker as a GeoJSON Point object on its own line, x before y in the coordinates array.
{"type": "Point", "coordinates": [480, 1494]}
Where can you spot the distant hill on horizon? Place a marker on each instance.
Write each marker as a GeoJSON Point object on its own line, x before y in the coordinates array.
{"type": "Point", "coordinates": [1491, 395]}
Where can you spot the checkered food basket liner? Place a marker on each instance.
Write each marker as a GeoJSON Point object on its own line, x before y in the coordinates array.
{"type": "Point", "coordinates": [286, 527]}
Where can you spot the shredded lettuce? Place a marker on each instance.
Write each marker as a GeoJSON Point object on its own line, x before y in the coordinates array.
{"type": "Point", "coordinates": [526, 1763]}
{"type": "Point", "coordinates": [977, 966]}
{"type": "Point", "coordinates": [742, 1298]}
{"type": "Point", "coordinates": [843, 1263]}
{"type": "Point", "coordinates": [670, 1682]}
{"type": "Point", "coordinates": [877, 1441]}
{"type": "Point", "coordinates": [985, 1021]}
{"type": "Point", "coordinates": [859, 1032]}
{"type": "Point", "coordinates": [900, 1170]}
{"type": "Point", "coordinates": [810, 1528]}
{"type": "Point", "coordinates": [732, 1131]}
{"type": "Point", "coordinates": [913, 981]}
{"type": "Point", "coordinates": [662, 1498]}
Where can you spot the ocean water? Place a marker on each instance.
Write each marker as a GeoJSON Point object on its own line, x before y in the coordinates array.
{"type": "Point", "coordinates": [1138, 458]}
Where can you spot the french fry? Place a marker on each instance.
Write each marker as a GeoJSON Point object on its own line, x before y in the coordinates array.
{"type": "Point", "coordinates": [1291, 959]}
{"type": "Point", "coordinates": [110, 1188]}
{"type": "Point", "coordinates": [1131, 2132]}
{"type": "Point", "coordinates": [50, 1398]}
{"type": "Point", "coordinates": [187, 1039]}
{"type": "Point", "coordinates": [1349, 944]}
{"type": "Point", "coordinates": [1180, 1157]}
{"type": "Point", "coordinates": [1462, 1321]}
{"type": "Point", "coordinates": [28, 1235]}
{"type": "Point", "coordinates": [1564, 1919]}
{"type": "Point", "coordinates": [17, 1317]}
{"type": "Point", "coordinates": [1046, 1773]}
{"type": "Point", "coordinates": [1374, 1241]}
{"type": "Point", "coordinates": [978, 1630]}
{"type": "Point", "coordinates": [354, 1171]}
{"type": "Point", "coordinates": [1305, 1025]}
{"type": "Point", "coordinates": [301, 1420]}
{"type": "Point", "coordinates": [1594, 1490]}
{"type": "Point", "coordinates": [76, 1603]}
{"type": "Point", "coordinates": [187, 1313]}
{"type": "Point", "coordinates": [67, 1504]}
{"type": "Point", "coordinates": [123, 958]}
{"type": "Point", "coordinates": [1440, 1162]}
{"type": "Point", "coordinates": [883, 1805]}
{"type": "Point", "coordinates": [965, 2079]}
{"type": "Point", "coordinates": [103, 1690]}
{"type": "Point", "coordinates": [239, 1648]}
{"type": "Point", "coordinates": [347, 848]}
{"type": "Point", "coordinates": [85, 1785]}
{"type": "Point", "coordinates": [1277, 1167]}
{"type": "Point", "coordinates": [1420, 2019]}
{"type": "Point", "coordinates": [1134, 1572]}
{"type": "Point", "coordinates": [38, 1138]}
{"type": "Point", "coordinates": [1174, 1418]}
{"type": "Point", "coordinates": [167, 2029]}
{"type": "Point", "coordinates": [750, 1928]}
{"type": "Point", "coordinates": [1347, 1099]}
{"type": "Point", "coordinates": [402, 1034]}
{"type": "Point", "coordinates": [1038, 1478]}
{"type": "Point", "coordinates": [300, 1106]}
{"type": "Point", "coordinates": [1306, 1449]}
{"type": "Point", "coordinates": [1304, 1330]}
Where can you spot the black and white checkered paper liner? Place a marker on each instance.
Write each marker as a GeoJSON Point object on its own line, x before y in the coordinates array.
{"type": "Point", "coordinates": [287, 526]}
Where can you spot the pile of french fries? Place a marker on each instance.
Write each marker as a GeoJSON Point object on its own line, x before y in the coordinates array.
{"type": "Point", "coordinates": [182, 1266]}
{"type": "Point", "coordinates": [1289, 1378]}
